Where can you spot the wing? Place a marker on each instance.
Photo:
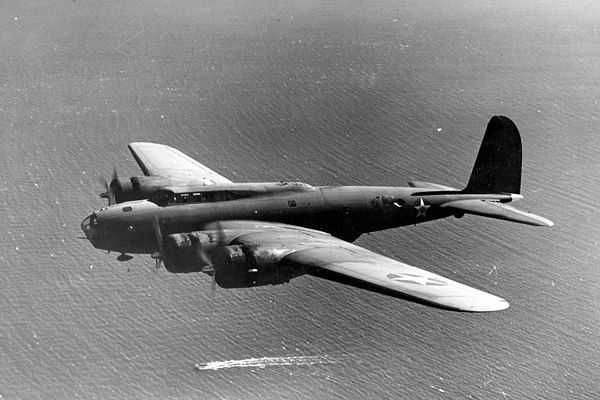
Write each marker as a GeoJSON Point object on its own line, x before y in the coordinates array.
{"type": "Point", "coordinates": [161, 160]}
{"type": "Point", "coordinates": [322, 255]}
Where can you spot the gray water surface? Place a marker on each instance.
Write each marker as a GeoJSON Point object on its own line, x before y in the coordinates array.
{"type": "Point", "coordinates": [359, 93]}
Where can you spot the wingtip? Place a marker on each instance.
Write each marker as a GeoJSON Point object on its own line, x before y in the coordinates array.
{"type": "Point", "coordinates": [495, 305]}
{"type": "Point", "coordinates": [491, 306]}
{"type": "Point", "coordinates": [548, 223]}
{"type": "Point", "coordinates": [499, 305]}
{"type": "Point", "coordinates": [541, 221]}
{"type": "Point", "coordinates": [483, 303]}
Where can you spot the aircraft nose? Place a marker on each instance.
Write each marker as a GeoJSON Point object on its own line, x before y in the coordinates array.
{"type": "Point", "coordinates": [88, 225]}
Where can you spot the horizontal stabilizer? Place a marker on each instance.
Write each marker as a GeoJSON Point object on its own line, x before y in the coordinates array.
{"type": "Point", "coordinates": [498, 210]}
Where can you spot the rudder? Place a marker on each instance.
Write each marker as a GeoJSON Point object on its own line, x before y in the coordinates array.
{"type": "Point", "coordinates": [497, 168]}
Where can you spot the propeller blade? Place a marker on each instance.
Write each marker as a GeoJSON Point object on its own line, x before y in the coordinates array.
{"type": "Point", "coordinates": [104, 184]}
{"type": "Point", "coordinates": [220, 235]}
{"type": "Point", "coordinates": [159, 241]}
{"type": "Point", "coordinates": [213, 283]}
{"type": "Point", "coordinates": [217, 253]}
{"type": "Point", "coordinates": [109, 192]}
{"type": "Point", "coordinates": [112, 198]}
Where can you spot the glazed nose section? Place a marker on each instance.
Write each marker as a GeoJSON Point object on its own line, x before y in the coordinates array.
{"type": "Point", "coordinates": [88, 225]}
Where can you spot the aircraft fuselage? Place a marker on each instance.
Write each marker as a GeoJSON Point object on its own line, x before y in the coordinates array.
{"type": "Point", "coordinates": [345, 212]}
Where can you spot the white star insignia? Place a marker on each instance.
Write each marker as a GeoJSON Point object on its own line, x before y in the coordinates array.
{"type": "Point", "coordinates": [410, 278]}
{"type": "Point", "coordinates": [416, 279]}
{"type": "Point", "coordinates": [421, 208]}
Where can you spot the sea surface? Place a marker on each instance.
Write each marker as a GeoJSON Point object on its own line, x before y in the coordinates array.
{"type": "Point", "coordinates": [330, 93]}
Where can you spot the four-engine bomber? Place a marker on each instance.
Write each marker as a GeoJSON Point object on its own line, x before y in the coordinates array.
{"type": "Point", "coordinates": [249, 234]}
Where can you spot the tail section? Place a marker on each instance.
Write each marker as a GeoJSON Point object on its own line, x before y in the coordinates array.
{"type": "Point", "coordinates": [495, 180]}
{"type": "Point", "coordinates": [498, 165]}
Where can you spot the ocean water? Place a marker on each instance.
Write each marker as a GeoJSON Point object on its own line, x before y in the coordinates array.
{"type": "Point", "coordinates": [360, 93]}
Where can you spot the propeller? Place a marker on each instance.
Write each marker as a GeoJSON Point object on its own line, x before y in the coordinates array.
{"type": "Point", "coordinates": [214, 263]}
{"type": "Point", "coordinates": [159, 239]}
{"type": "Point", "coordinates": [109, 186]}
{"type": "Point", "coordinates": [211, 263]}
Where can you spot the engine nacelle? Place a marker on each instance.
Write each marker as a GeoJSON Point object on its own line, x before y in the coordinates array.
{"type": "Point", "coordinates": [136, 187]}
{"type": "Point", "coordinates": [242, 266]}
{"type": "Point", "coordinates": [183, 252]}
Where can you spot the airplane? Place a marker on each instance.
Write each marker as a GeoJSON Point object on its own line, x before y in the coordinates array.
{"type": "Point", "coordinates": [191, 219]}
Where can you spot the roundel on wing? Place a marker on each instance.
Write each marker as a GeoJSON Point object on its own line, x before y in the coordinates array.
{"type": "Point", "coordinates": [416, 279]}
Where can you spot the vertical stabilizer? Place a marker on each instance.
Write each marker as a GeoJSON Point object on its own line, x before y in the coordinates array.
{"type": "Point", "coordinates": [498, 165]}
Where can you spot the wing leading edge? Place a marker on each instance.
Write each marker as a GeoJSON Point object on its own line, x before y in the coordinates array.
{"type": "Point", "coordinates": [160, 160]}
{"type": "Point", "coordinates": [322, 255]}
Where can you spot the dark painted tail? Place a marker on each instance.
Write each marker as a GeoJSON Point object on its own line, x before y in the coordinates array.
{"type": "Point", "coordinates": [498, 165]}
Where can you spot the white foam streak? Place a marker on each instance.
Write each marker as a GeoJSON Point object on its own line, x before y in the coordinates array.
{"type": "Point", "coordinates": [264, 362]}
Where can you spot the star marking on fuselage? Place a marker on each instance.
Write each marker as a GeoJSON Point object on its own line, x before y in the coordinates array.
{"type": "Point", "coordinates": [421, 208]}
